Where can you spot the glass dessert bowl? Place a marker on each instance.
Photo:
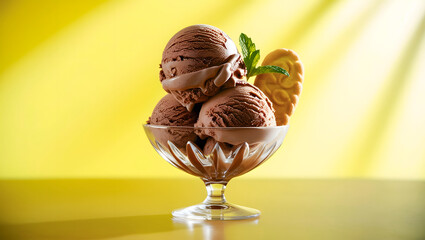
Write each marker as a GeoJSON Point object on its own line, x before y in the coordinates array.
{"type": "Point", "coordinates": [228, 152]}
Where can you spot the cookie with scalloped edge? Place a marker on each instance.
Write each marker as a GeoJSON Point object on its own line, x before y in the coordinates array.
{"type": "Point", "coordinates": [282, 90]}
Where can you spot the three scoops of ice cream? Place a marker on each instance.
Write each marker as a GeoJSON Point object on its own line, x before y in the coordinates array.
{"type": "Point", "coordinates": [203, 74]}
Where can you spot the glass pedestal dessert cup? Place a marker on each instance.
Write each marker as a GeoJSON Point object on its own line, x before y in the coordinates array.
{"type": "Point", "coordinates": [232, 151]}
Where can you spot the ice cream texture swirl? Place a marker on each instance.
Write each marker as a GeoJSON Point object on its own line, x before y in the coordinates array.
{"type": "Point", "coordinates": [219, 75]}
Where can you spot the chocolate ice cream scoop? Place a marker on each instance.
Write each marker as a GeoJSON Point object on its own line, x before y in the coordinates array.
{"type": "Point", "coordinates": [169, 112]}
{"type": "Point", "coordinates": [197, 62]}
{"type": "Point", "coordinates": [242, 106]}
{"type": "Point", "coordinates": [210, 144]}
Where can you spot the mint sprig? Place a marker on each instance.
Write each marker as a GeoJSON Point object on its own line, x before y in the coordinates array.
{"type": "Point", "coordinates": [251, 56]}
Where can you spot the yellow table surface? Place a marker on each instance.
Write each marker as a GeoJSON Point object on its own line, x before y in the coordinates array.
{"type": "Point", "coordinates": [141, 209]}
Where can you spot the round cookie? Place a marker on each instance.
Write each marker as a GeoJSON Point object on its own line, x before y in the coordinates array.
{"type": "Point", "coordinates": [282, 90]}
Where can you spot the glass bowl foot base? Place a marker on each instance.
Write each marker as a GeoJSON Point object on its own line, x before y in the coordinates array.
{"type": "Point", "coordinates": [225, 211]}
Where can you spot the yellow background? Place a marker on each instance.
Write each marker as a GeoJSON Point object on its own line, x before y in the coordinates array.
{"type": "Point", "coordinates": [79, 78]}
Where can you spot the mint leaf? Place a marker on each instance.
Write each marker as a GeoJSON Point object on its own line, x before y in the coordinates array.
{"type": "Point", "coordinates": [270, 69]}
{"type": "Point", "coordinates": [246, 45]}
{"type": "Point", "coordinates": [252, 60]}
{"type": "Point", "coordinates": [255, 57]}
{"type": "Point", "coordinates": [251, 56]}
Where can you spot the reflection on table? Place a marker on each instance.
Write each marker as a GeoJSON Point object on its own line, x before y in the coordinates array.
{"type": "Point", "coordinates": [140, 209]}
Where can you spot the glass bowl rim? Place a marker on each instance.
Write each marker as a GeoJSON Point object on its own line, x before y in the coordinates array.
{"type": "Point", "coordinates": [218, 128]}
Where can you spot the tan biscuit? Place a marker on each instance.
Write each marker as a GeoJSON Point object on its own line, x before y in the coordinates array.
{"type": "Point", "coordinates": [282, 90]}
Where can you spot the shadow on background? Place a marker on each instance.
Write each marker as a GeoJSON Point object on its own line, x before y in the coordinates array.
{"type": "Point", "coordinates": [90, 228]}
{"type": "Point", "coordinates": [27, 24]}
{"type": "Point", "coordinates": [397, 83]}
{"type": "Point", "coordinates": [307, 23]}
{"type": "Point", "coordinates": [337, 47]}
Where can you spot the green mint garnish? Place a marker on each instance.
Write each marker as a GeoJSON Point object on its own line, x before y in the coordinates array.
{"type": "Point", "coordinates": [251, 56]}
